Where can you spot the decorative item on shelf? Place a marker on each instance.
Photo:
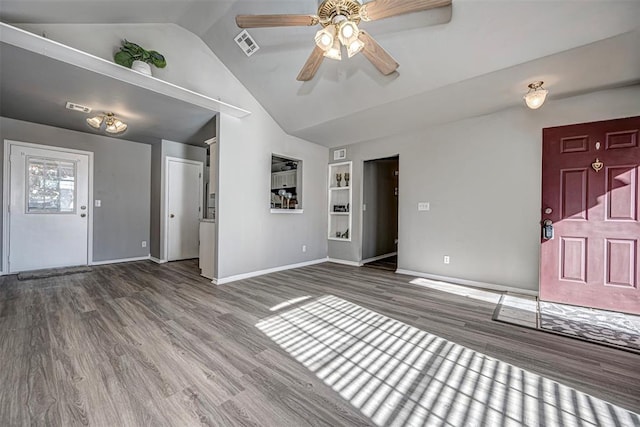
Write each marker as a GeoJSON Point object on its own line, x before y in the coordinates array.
{"type": "Point", "coordinates": [346, 179]}
{"type": "Point", "coordinates": [345, 235]}
{"type": "Point", "coordinates": [137, 58]}
{"type": "Point", "coordinates": [536, 95]}
{"type": "Point", "coordinates": [340, 208]}
{"type": "Point", "coordinates": [338, 178]}
{"type": "Point", "coordinates": [338, 234]}
{"type": "Point", "coordinates": [111, 123]}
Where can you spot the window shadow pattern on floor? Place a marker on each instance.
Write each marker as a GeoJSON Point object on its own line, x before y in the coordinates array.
{"type": "Point", "coordinates": [399, 375]}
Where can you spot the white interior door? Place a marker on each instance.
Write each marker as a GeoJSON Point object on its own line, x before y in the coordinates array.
{"type": "Point", "coordinates": [184, 206]}
{"type": "Point", "coordinates": [48, 208]}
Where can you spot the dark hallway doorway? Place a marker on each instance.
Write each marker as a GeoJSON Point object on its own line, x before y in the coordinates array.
{"type": "Point", "coordinates": [380, 213]}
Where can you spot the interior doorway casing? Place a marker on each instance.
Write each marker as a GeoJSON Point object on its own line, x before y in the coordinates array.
{"type": "Point", "coordinates": [8, 144]}
{"type": "Point", "coordinates": [387, 166]}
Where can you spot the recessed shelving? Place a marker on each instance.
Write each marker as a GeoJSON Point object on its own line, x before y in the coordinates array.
{"type": "Point", "coordinates": [340, 196]}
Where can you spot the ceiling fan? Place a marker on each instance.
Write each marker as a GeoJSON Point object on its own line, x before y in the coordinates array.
{"type": "Point", "coordinates": [339, 20]}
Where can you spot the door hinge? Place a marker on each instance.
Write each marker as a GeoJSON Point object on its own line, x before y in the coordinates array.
{"type": "Point", "coordinates": [199, 175]}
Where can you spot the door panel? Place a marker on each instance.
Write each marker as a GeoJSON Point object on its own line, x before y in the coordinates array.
{"type": "Point", "coordinates": [48, 208]}
{"type": "Point", "coordinates": [184, 190]}
{"type": "Point", "coordinates": [593, 258]}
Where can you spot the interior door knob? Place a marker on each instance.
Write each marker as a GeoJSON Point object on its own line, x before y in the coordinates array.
{"type": "Point", "coordinates": [171, 216]}
{"type": "Point", "coordinates": [82, 215]}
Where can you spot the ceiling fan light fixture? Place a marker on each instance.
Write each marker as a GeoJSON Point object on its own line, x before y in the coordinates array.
{"type": "Point", "coordinates": [326, 37]}
{"type": "Point", "coordinates": [348, 32]}
{"type": "Point", "coordinates": [335, 52]}
{"type": "Point", "coordinates": [536, 95]}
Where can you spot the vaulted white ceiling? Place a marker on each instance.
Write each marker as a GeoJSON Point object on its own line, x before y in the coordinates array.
{"type": "Point", "coordinates": [469, 59]}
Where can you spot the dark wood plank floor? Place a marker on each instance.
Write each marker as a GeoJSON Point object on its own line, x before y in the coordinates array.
{"type": "Point", "coordinates": [146, 344]}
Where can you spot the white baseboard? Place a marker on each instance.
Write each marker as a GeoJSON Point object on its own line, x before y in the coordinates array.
{"type": "Point", "coordinates": [157, 260]}
{"type": "Point", "coordinates": [345, 262]}
{"type": "Point", "coordinates": [118, 261]}
{"type": "Point", "coordinates": [375, 258]}
{"type": "Point", "coordinates": [237, 277]}
{"type": "Point", "coordinates": [465, 282]}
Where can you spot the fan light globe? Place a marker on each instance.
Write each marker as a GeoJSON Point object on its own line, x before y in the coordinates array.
{"type": "Point", "coordinates": [536, 95]}
{"type": "Point", "coordinates": [325, 37]}
{"type": "Point", "coordinates": [348, 32]}
{"type": "Point", "coordinates": [95, 122]}
{"type": "Point", "coordinates": [355, 48]}
{"type": "Point", "coordinates": [335, 52]}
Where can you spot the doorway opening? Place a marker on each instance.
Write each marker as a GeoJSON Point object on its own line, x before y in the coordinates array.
{"type": "Point", "coordinates": [380, 213]}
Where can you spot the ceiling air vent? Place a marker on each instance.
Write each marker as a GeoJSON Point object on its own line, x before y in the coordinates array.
{"type": "Point", "coordinates": [78, 107]}
{"type": "Point", "coordinates": [340, 154]}
{"type": "Point", "coordinates": [246, 43]}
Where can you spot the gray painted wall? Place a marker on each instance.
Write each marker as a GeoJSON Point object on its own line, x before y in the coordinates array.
{"type": "Point", "coordinates": [380, 219]}
{"type": "Point", "coordinates": [155, 199]}
{"type": "Point", "coordinates": [482, 177]}
{"type": "Point", "coordinates": [122, 173]}
{"type": "Point", "coordinates": [250, 237]}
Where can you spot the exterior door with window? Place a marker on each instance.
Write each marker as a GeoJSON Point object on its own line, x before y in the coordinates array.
{"type": "Point", "coordinates": [590, 199]}
{"type": "Point", "coordinates": [48, 208]}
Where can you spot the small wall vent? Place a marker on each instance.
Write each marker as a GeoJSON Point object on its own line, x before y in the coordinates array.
{"type": "Point", "coordinates": [78, 107]}
{"type": "Point", "coordinates": [247, 43]}
{"type": "Point", "coordinates": [340, 154]}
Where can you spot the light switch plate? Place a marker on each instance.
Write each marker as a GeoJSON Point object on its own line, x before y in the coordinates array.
{"type": "Point", "coordinates": [97, 203]}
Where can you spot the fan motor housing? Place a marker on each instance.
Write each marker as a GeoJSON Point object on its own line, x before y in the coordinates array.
{"type": "Point", "coordinates": [330, 9]}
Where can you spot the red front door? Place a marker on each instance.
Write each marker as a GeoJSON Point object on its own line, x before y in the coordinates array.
{"type": "Point", "coordinates": [590, 178]}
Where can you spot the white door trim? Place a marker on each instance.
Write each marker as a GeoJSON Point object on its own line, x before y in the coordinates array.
{"type": "Point", "coordinates": [165, 200]}
{"type": "Point", "coordinates": [6, 172]}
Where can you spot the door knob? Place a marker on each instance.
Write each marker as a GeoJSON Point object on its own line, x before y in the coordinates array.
{"type": "Point", "coordinates": [171, 216]}
{"type": "Point", "coordinates": [82, 215]}
{"type": "Point", "coordinates": [83, 207]}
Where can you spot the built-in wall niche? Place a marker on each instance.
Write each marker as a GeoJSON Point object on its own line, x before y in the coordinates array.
{"type": "Point", "coordinates": [286, 184]}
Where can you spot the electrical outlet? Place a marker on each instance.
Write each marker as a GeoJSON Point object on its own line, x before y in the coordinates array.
{"type": "Point", "coordinates": [97, 203]}
{"type": "Point", "coordinates": [144, 243]}
{"type": "Point", "coordinates": [423, 206]}
{"type": "Point", "coordinates": [447, 260]}
{"type": "Point", "coordinates": [304, 248]}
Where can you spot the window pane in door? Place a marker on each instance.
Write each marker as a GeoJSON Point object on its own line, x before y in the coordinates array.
{"type": "Point", "coordinates": [52, 185]}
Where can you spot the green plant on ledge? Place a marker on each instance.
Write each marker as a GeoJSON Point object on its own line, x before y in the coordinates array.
{"type": "Point", "coordinates": [130, 52]}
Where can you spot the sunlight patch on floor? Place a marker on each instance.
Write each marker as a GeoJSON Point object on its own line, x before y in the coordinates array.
{"type": "Point", "coordinates": [465, 291]}
{"type": "Point", "coordinates": [397, 374]}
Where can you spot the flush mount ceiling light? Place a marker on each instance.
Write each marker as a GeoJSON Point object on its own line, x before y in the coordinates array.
{"type": "Point", "coordinates": [536, 95]}
{"type": "Point", "coordinates": [109, 122]}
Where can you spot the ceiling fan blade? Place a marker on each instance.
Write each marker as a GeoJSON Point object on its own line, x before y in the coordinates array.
{"type": "Point", "coordinates": [261, 21]}
{"type": "Point", "coordinates": [311, 66]}
{"type": "Point", "coordinates": [380, 9]}
{"type": "Point", "coordinates": [379, 57]}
